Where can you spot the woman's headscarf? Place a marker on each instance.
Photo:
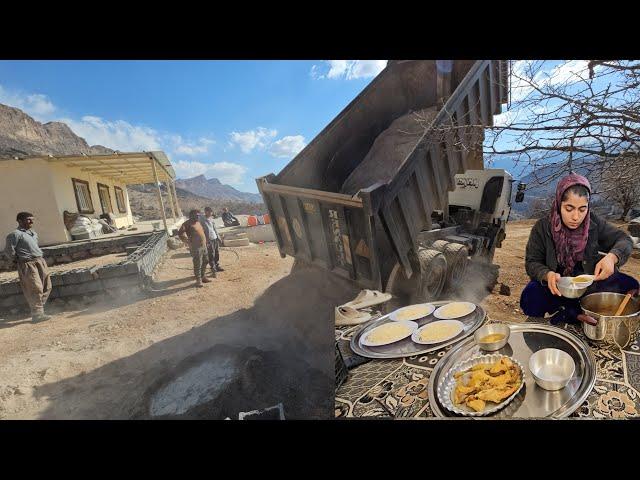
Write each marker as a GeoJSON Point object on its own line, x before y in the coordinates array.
{"type": "Point", "coordinates": [570, 244]}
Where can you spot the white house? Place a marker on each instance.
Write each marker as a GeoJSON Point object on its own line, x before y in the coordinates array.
{"type": "Point", "coordinates": [87, 184]}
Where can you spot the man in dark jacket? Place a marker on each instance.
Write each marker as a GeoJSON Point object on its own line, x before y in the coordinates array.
{"type": "Point", "coordinates": [228, 219]}
{"type": "Point", "coordinates": [572, 241]}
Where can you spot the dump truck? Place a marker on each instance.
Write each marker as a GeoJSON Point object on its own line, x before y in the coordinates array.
{"type": "Point", "coordinates": [393, 194]}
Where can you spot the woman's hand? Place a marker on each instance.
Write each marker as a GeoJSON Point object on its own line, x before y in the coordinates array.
{"type": "Point", "coordinates": [552, 280]}
{"type": "Point", "coordinates": [605, 267]}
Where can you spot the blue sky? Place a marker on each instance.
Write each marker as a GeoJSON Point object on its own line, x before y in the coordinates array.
{"type": "Point", "coordinates": [234, 120]}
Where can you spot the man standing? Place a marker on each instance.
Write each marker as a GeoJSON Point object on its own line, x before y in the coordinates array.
{"type": "Point", "coordinates": [213, 240]}
{"type": "Point", "coordinates": [22, 246]}
{"type": "Point", "coordinates": [192, 233]}
{"type": "Point", "coordinates": [228, 219]}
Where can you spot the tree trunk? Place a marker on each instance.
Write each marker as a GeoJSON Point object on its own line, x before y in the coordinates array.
{"type": "Point", "coordinates": [625, 211]}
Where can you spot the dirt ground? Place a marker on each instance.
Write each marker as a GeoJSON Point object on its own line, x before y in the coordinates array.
{"type": "Point", "coordinates": [108, 359]}
{"type": "Point", "coordinates": [34, 358]}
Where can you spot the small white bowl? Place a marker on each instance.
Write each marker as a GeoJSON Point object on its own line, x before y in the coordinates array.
{"type": "Point", "coordinates": [552, 369]}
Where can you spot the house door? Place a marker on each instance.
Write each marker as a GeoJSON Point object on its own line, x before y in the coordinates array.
{"type": "Point", "coordinates": [105, 198]}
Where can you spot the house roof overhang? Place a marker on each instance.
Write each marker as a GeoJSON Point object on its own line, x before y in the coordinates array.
{"type": "Point", "coordinates": [128, 168]}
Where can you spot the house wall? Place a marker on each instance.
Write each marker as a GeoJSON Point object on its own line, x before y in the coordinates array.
{"type": "Point", "coordinates": [46, 190]}
{"type": "Point", "coordinates": [66, 199]}
{"type": "Point", "coordinates": [28, 186]}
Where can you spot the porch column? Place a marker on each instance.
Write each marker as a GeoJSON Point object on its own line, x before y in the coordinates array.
{"type": "Point", "coordinates": [173, 208]}
{"type": "Point", "coordinates": [164, 215]}
{"type": "Point", "coordinates": [175, 195]}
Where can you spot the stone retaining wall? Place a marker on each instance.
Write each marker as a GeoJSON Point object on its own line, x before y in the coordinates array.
{"type": "Point", "coordinates": [130, 276]}
{"type": "Point", "coordinates": [72, 252]}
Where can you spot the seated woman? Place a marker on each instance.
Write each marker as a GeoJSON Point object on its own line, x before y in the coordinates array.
{"type": "Point", "coordinates": [567, 243]}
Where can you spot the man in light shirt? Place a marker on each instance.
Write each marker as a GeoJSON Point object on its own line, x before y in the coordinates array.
{"type": "Point", "coordinates": [22, 246]}
{"type": "Point", "coordinates": [213, 240]}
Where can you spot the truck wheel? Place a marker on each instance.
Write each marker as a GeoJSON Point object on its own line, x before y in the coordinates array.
{"type": "Point", "coordinates": [434, 274]}
{"type": "Point", "coordinates": [405, 290]}
{"type": "Point", "coordinates": [456, 255]}
{"type": "Point", "coordinates": [439, 245]}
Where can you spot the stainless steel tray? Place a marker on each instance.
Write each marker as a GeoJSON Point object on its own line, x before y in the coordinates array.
{"type": "Point", "coordinates": [532, 401]}
{"type": "Point", "coordinates": [408, 348]}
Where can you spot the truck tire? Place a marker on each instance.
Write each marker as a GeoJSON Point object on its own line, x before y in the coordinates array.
{"type": "Point", "coordinates": [439, 245]}
{"type": "Point", "coordinates": [405, 290]}
{"type": "Point", "coordinates": [456, 255]}
{"type": "Point", "coordinates": [434, 274]}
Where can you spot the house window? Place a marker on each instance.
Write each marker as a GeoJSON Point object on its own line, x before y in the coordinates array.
{"type": "Point", "coordinates": [122, 207]}
{"type": "Point", "coordinates": [83, 196]}
{"type": "Point", "coordinates": [105, 198]}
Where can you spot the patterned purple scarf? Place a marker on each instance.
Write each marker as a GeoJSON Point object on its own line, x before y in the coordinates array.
{"type": "Point", "coordinates": [570, 244]}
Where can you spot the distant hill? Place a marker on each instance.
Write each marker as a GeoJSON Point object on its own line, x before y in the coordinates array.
{"type": "Point", "coordinates": [541, 187]}
{"type": "Point", "coordinates": [22, 136]}
{"type": "Point", "coordinates": [144, 203]}
{"type": "Point", "coordinates": [212, 188]}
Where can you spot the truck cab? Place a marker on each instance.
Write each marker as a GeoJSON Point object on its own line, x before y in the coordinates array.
{"type": "Point", "coordinates": [485, 191]}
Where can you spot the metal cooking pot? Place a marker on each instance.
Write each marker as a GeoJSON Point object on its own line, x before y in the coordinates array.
{"type": "Point", "coordinates": [601, 307]}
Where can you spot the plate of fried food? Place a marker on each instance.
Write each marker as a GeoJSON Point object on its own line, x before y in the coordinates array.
{"type": "Point", "coordinates": [481, 385]}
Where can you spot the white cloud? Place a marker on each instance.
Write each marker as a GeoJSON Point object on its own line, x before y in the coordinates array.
{"type": "Point", "coordinates": [287, 147]}
{"type": "Point", "coordinates": [338, 68]}
{"type": "Point", "coordinates": [251, 139]}
{"type": "Point", "coordinates": [315, 72]}
{"type": "Point", "coordinates": [366, 68]}
{"type": "Point", "coordinates": [565, 73]}
{"type": "Point", "coordinates": [569, 72]}
{"type": "Point", "coordinates": [226, 172]}
{"type": "Point", "coordinates": [348, 69]}
{"type": "Point", "coordinates": [117, 135]}
{"type": "Point", "coordinates": [37, 105]}
{"type": "Point", "coordinates": [191, 148]}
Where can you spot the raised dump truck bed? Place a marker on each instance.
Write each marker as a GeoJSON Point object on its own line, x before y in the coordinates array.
{"type": "Point", "coordinates": [364, 236]}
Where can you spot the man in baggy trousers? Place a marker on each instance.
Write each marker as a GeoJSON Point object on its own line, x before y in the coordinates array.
{"type": "Point", "coordinates": [192, 234]}
{"type": "Point", "coordinates": [22, 246]}
{"type": "Point", "coordinates": [213, 240]}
